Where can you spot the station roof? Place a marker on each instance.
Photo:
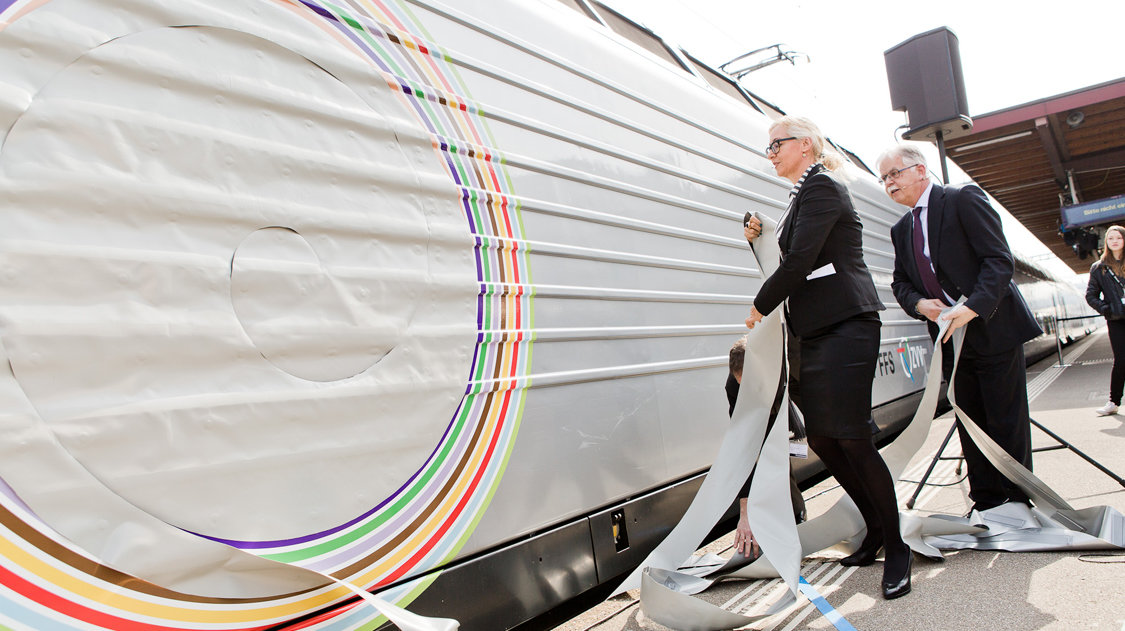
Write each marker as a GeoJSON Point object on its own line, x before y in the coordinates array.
{"type": "Point", "coordinates": [1036, 157]}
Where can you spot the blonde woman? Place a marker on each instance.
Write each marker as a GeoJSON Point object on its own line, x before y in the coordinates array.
{"type": "Point", "coordinates": [833, 310]}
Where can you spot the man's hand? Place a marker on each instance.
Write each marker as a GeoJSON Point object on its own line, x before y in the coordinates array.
{"type": "Point", "coordinates": [930, 308]}
{"type": "Point", "coordinates": [957, 317]}
{"type": "Point", "coordinates": [754, 318]}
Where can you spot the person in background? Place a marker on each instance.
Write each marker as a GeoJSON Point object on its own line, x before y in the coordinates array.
{"type": "Point", "coordinates": [734, 379]}
{"type": "Point", "coordinates": [1106, 294]}
{"type": "Point", "coordinates": [951, 246]}
{"type": "Point", "coordinates": [832, 310]}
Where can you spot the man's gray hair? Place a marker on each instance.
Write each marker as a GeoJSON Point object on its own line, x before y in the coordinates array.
{"type": "Point", "coordinates": [909, 154]}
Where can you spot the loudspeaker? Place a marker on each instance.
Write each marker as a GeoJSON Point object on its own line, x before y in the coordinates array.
{"type": "Point", "coordinates": [924, 74]}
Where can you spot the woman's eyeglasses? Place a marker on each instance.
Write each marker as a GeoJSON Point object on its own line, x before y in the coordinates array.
{"type": "Point", "coordinates": [776, 144]}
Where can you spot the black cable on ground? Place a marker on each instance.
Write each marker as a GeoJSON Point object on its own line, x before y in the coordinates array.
{"type": "Point", "coordinates": [954, 483]}
{"type": "Point", "coordinates": [612, 615]}
{"type": "Point", "coordinates": [831, 488]}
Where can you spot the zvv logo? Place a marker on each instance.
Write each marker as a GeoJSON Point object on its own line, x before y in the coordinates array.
{"type": "Point", "coordinates": [911, 357]}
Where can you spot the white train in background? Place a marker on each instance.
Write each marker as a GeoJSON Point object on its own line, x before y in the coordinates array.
{"type": "Point", "coordinates": [431, 296]}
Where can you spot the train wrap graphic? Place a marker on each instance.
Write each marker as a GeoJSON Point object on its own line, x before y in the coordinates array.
{"type": "Point", "coordinates": [431, 297]}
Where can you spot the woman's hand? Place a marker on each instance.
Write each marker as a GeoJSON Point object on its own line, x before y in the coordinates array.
{"type": "Point", "coordinates": [753, 229]}
{"type": "Point", "coordinates": [754, 318]}
{"type": "Point", "coordinates": [744, 542]}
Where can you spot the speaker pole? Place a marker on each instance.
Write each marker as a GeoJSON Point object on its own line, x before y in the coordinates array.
{"type": "Point", "coordinates": [941, 157]}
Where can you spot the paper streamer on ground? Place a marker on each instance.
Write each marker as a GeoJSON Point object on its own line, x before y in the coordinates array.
{"type": "Point", "coordinates": [666, 593]}
{"type": "Point", "coordinates": [1035, 488]}
{"type": "Point", "coordinates": [769, 513]}
{"type": "Point", "coordinates": [1053, 524]}
{"type": "Point", "coordinates": [1015, 527]}
{"type": "Point", "coordinates": [842, 521]}
{"type": "Point", "coordinates": [669, 593]}
{"type": "Point", "coordinates": [732, 464]}
{"type": "Point", "coordinates": [663, 602]}
{"type": "Point", "coordinates": [927, 535]}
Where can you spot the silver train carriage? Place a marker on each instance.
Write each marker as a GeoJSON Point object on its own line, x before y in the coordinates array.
{"type": "Point", "coordinates": [430, 297]}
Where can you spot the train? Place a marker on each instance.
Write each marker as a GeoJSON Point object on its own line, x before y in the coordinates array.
{"type": "Point", "coordinates": [429, 297]}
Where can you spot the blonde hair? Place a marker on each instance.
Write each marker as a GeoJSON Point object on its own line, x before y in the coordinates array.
{"type": "Point", "coordinates": [1115, 264]}
{"type": "Point", "coordinates": [801, 127]}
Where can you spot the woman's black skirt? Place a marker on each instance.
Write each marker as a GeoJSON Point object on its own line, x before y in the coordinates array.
{"type": "Point", "coordinates": [837, 368]}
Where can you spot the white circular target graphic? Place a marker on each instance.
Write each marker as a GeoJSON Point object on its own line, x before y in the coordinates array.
{"type": "Point", "coordinates": [235, 283]}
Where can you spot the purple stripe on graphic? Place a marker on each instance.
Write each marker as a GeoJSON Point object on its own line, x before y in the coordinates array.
{"type": "Point", "coordinates": [425, 497]}
{"type": "Point", "coordinates": [480, 340]}
{"type": "Point", "coordinates": [480, 268]}
{"type": "Point", "coordinates": [480, 309]}
{"type": "Point", "coordinates": [466, 205]}
{"type": "Point", "coordinates": [257, 545]}
{"type": "Point", "coordinates": [349, 32]}
{"type": "Point", "coordinates": [319, 10]}
{"type": "Point", "coordinates": [10, 493]}
{"type": "Point", "coordinates": [445, 147]}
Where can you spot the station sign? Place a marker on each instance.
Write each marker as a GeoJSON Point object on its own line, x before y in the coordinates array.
{"type": "Point", "coordinates": [1108, 210]}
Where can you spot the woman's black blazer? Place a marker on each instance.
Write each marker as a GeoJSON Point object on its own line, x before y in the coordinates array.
{"type": "Point", "coordinates": [1104, 292]}
{"type": "Point", "coordinates": [822, 233]}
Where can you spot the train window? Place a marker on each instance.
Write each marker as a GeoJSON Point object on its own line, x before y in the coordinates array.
{"type": "Point", "coordinates": [581, 7]}
{"type": "Point", "coordinates": [637, 34]}
{"type": "Point", "coordinates": [722, 82]}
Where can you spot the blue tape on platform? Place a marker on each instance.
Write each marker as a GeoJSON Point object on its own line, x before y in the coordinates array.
{"type": "Point", "coordinates": [826, 609]}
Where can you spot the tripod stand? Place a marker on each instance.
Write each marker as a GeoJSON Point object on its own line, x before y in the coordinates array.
{"type": "Point", "coordinates": [1062, 444]}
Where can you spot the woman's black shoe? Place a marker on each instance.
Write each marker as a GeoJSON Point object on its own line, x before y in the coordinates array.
{"type": "Point", "coordinates": [901, 587]}
{"type": "Point", "coordinates": [864, 556]}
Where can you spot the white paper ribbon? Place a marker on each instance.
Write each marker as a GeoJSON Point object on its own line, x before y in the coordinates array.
{"type": "Point", "coordinates": [665, 591]}
{"type": "Point", "coordinates": [1014, 527]}
{"type": "Point", "coordinates": [666, 594]}
{"type": "Point", "coordinates": [401, 618]}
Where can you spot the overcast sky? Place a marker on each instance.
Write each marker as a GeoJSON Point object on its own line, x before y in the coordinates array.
{"type": "Point", "coordinates": [1011, 53]}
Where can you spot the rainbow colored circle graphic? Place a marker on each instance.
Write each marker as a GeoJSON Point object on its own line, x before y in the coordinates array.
{"type": "Point", "coordinates": [153, 247]}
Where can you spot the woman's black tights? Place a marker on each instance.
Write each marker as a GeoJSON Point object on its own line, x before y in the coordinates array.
{"type": "Point", "coordinates": [860, 470]}
{"type": "Point", "coordinates": [1117, 343]}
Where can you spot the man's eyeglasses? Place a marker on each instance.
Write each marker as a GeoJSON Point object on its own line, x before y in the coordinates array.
{"type": "Point", "coordinates": [776, 144]}
{"type": "Point", "coordinates": [893, 174]}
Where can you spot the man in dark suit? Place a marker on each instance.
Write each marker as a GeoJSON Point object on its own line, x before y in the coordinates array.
{"type": "Point", "coordinates": [951, 246]}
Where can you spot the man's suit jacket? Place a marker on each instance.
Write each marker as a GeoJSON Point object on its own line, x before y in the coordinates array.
{"type": "Point", "coordinates": [972, 259]}
{"type": "Point", "coordinates": [821, 228]}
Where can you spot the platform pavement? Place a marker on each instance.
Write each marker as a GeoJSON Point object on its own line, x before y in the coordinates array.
{"type": "Point", "coordinates": [998, 591]}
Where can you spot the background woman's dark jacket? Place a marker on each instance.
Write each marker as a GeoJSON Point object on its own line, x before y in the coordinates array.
{"type": "Point", "coordinates": [1104, 292]}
